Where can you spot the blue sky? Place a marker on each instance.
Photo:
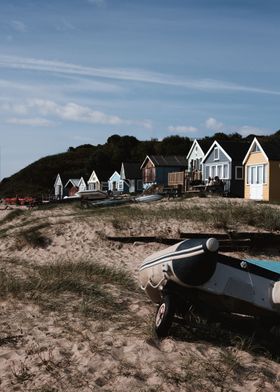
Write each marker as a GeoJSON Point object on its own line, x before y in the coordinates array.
{"type": "Point", "coordinates": [77, 71]}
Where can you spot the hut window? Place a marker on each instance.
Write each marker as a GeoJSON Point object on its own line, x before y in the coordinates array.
{"type": "Point", "coordinates": [225, 171]}
{"type": "Point", "coordinates": [239, 173]}
{"type": "Point", "coordinates": [264, 174]}
{"type": "Point", "coordinates": [259, 174]}
{"type": "Point", "coordinates": [249, 172]}
{"type": "Point", "coordinates": [216, 154]}
{"type": "Point", "coordinates": [219, 171]}
{"type": "Point", "coordinates": [256, 174]}
{"type": "Point", "coordinates": [256, 148]}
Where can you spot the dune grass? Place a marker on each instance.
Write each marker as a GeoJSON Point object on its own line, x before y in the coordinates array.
{"type": "Point", "coordinates": [12, 215]}
{"type": "Point", "coordinates": [223, 214]}
{"type": "Point", "coordinates": [89, 286]}
{"type": "Point", "coordinates": [33, 237]}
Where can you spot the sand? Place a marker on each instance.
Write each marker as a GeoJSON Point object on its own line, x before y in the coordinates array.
{"type": "Point", "coordinates": [56, 341]}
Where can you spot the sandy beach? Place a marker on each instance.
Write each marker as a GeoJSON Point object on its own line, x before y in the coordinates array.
{"type": "Point", "coordinates": [74, 319]}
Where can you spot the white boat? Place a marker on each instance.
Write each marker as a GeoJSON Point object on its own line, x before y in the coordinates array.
{"type": "Point", "coordinates": [193, 274]}
{"type": "Point", "coordinates": [73, 197]}
{"type": "Point", "coordinates": [92, 195]}
{"type": "Point", "coordinates": [148, 198]}
{"type": "Point", "coordinates": [110, 202]}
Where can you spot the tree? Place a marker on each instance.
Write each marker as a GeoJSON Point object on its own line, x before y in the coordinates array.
{"type": "Point", "coordinates": [175, 145]}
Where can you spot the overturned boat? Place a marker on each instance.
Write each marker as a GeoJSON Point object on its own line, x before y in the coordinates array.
{"type": "Point", "coordinates": [148, 198]}
{"type": "Point", "coordinates": [92, 195]}
{"type": "Point", "coordinates": [193, 273]}
{"type": "Point", "coordinates": [110, 202]}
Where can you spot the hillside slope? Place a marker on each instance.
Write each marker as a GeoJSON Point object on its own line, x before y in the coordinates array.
{"type": "Point", "coordinates": [38, 178]}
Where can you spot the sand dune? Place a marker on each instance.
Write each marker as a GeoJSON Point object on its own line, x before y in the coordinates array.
{"type": "Point", "coordinates": [64, 328]}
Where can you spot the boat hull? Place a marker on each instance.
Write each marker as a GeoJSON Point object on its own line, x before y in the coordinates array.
{"type": "Point", "coordinates": [148, 198]}
{"type": "Point", "coordinates": [92, 195]}
{"type": "Point", "coordinates": [196, 274]}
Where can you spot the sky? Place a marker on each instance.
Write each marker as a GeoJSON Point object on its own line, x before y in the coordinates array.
{"type": "Point", "coordinates": [75, 72]}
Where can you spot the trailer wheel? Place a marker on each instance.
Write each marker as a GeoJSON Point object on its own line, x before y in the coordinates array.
{"type": "Point", "coordinates": [164, 316]}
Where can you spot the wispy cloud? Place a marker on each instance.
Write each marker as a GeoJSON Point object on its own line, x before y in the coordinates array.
{"type": "Point", "coordinates": [74, 112]}
{"type": "Point", "coordinates": [70, 111]}
{"type": "Point", "coordinates": [65, 25]}
{"type": "Point", "coordinates": [18, 26]}
{"type": "Point", "coordinates": [74, 84]}
{"type": "Point", "coordinates": [135, 75]}
{"type": "Point", "coordinates": [14, 108]}
{"type": "Point", "coordinates": [244, 130]}
{"type": "Point", "coordinates": [38, 122]}
{"type": "Point", "coordinates": [182, 129]}
{"type": "Point", "coordinates": [214, 125]}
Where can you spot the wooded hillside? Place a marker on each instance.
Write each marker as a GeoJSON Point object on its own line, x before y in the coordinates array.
{"type": "Point", "coordinates": [38, 178]}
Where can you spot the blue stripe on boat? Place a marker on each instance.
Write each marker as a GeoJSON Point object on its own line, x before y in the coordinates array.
{"type": "Point", "coordinates": [273, 266]}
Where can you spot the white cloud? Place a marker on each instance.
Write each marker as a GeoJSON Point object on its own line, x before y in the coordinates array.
{"type": "Point", "coordinates": [73, 84]}
{"type": "Point", "coordinates": [136, 75]}
{"type": "Point", "coordinates": [182, 129]}
{"type": "Point", "coordinates": [74, 112]}
{"type": "Point", "coordinates": [246, 130]}
{"type": "Point", "coordinates": [38, 122]}
{"type": "Point", "coordinates": [147, 124]}
{"type": "Point", "coordinates": [65, 25]}
{"type": "Point", "coordinates": [14, 108]}
{"type": "Point", "coordinates": [214, 125]}
{"type": "Point", "coordinates": [19, 26]}
{"type": "Point", "coordinates": [68, 112]}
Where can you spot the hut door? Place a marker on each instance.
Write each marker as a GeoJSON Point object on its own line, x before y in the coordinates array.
{"type": "Point", "coordinates": [256, 186]}
{"type": "Point", "coordinates": [256, 191]}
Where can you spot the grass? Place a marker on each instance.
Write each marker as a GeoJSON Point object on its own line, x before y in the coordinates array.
{"type": "Point", "coordinates": [222, 214]}
{"type": "Point", "coordinates": [14, 214]}
{"type": "Point", "coordinates": [21, 372]}
{"type": "Point", "coordinates": [222, 368]}
{"type": "Point", "coordinates": [33, 237]}
{"type": "Point", "coordinates": [220, 371]}
{"type": "Point", "coordinates": [88, 285]}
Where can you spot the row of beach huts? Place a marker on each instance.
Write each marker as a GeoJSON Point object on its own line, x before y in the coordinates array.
{"type": "Point", "coordinates": [249, 170]}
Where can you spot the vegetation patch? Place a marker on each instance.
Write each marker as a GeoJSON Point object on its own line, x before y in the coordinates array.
{"type": "Point", "coordinates": [221, 215]}
{"type": "Point", "coordinates": [32, 237]}
{"type": "Point", "coordinates": [89, 283]}
{"type": "Point", "coordinates": [12, 215]}
{"type": "Point", "coordinates": [217, 372]}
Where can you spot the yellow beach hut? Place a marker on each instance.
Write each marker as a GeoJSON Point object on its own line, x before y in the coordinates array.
{"type": "Point", "coordinates": [262, 170]}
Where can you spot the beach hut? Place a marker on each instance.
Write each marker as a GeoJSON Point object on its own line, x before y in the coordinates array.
{"type": "Point", "coordinates": [224, 160]}
{"type": "Point", "coordinates": [194, 160]}
{"type": "Point", "coordinates": [58, 188]}
{"type": "Point", "coordinates": [98, 181]}
{"type": "Point", "coordinates": [155, 168]}
{"type": "Point", "coordinates": [72, 186]}
{"type": "Point", "coordinates": [262, 170]}
{"type": "Point", "coordinates": [82, 185]}
{"type": "Point", "coordinates": [115, 183]}
{"type": "Point", "coordinates": [132, 177]}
